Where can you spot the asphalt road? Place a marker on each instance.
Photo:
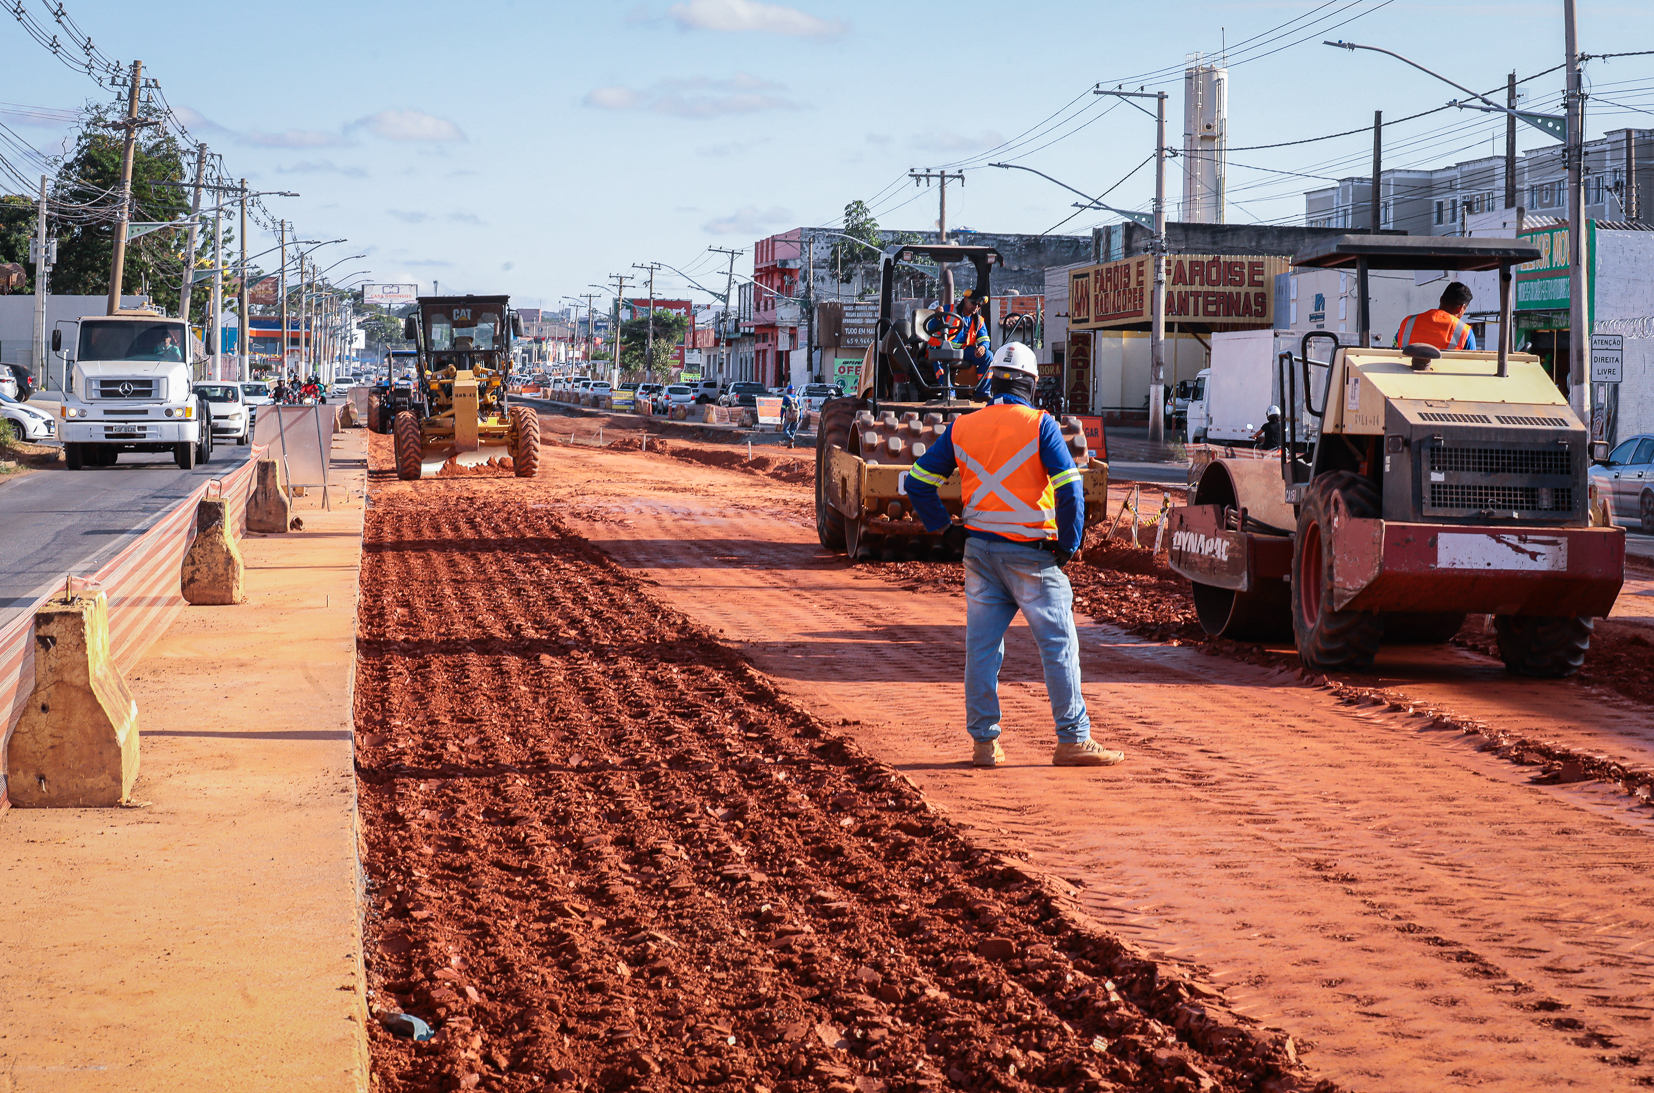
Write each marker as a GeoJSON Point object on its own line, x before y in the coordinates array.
{"type": "Point", "coordinates": [56, 522]}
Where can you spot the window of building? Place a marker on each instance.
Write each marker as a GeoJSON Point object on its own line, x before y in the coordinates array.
{"type": "Point", "coordinates": [1438, 212]}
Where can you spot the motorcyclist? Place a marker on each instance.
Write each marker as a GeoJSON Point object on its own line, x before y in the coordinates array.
{"type": "Point", "coordinates": [1269, 436]}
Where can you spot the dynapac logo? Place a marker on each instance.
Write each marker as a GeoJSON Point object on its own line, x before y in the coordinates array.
{"type": "Point", "coordinates": [1193, 542]}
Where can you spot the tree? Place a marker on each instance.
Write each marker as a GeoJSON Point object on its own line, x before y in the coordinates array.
{"type": "Point", "coordinates": [89, 183]}
{"type": "Point", "coordinates": [849, 258]}
{"type": "Point", "coordinates": [634, 340]}
{"type": "Point", "coordinates": [17, 223]}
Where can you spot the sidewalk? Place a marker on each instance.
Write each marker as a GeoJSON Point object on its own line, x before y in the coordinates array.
{"type": "Point", "coordinates": [208, 937]}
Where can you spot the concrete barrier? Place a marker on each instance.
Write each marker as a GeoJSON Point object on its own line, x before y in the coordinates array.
{"type": "Point", "coordinates": [212, 571]}
{"type": "Point", "coordinates": [268, 510]}
{"type": "Point", "coordinates": [76, 745]}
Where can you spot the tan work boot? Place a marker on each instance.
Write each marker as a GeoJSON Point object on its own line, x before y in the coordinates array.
{"type": "Point", "coordinates": [1087, 753]}
{"type": "Point", "coordinates": [987, 753]}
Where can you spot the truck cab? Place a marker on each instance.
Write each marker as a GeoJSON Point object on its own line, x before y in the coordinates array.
{"type": "Point", "coordinates": [132, 389]}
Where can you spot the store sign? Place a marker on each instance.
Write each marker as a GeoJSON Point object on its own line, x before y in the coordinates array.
{"type": "Point", "coordinates": [1607, 358]}
{"type": "Point", "coordinates": [390, 294]}
{"type": "Point", "coordinates": [1542, 285]}
{"type": "Point", "coordinates": [1218, 292]}
{"type": "Point", "coordinates": [860, 322]}
{"type": "Point", "coordinates": [846, 371]}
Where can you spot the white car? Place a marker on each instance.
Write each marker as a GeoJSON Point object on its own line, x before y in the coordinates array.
{"type": "Point", "coordinates": [676, 394]}
{"type": "Point", "coordinates": [254, 393]}
{"type": "Point", "coordinates": [25, 422]}
{"type": "Point", "coordinates": [231, 415]}
{"type": "Point", "coordinates": [600, 388]}
{"type": "Point", "coordinates": [815, 395]}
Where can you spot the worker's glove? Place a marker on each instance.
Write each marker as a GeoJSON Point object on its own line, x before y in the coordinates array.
{"type": "Point", "coordinates": [954, 538]}
{"type": "Point", "coordinates": [1063, 557]}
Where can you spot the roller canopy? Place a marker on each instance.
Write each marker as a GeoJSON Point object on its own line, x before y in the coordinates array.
{"type": "Point", "coordinates": [1417, 252]}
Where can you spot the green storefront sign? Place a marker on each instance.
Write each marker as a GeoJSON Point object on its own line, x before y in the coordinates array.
{"type": "Point", "coordinates": [1542, 285]}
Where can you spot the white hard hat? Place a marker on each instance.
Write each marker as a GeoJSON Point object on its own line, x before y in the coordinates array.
{"type": "Point", "coordinates": [1274, 411]}
{"type": "Point", "coordinates": [1016, 357]}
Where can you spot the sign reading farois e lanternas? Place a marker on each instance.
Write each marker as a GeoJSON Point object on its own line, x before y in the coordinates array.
{"type": "Point", "coordinates": [1211, 291]}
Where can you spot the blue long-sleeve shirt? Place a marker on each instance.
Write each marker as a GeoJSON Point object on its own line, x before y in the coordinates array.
{"type": "Point", "coordinates": [939, 460]}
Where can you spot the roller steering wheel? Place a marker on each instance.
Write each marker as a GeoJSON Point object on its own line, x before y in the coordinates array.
{"type": "Point", "coordinates": [942, 326]}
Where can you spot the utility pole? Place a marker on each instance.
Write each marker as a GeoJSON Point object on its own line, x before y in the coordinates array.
{"type": "Point", "coordinates": [184, 289]}
{"type": "Point", "coordinates": [1579, 323]}
{"type": "Point", "coordinates": [620, 280]}
{"type": "Point", "coordinates": [942, 213]}
{"type": "Point", "coordinates": [281, 369]}
{"type": "Point", "coordinates": [729, 302]}
{"type": "Point", "coordinates": [244, 333]}
{"type": "Point", "coordinates": [1510, 142]}
{"type": "Point", "coordinates": [1363, 281]}
{"type": "Point", "coordinates": [649, 353]}
{"type": "Point", "coordinates": [44, 254]}
{"type": "Point", "coordinates": [1157, 302]}
{"type": "Point", "coordinates": [810, 311]}
{"type": "Point", "coordinates": [591, 323]}
{"type": "Point", "coordinates": [216, 319]}
{"type": "Point", "coordinates": [117, 261]}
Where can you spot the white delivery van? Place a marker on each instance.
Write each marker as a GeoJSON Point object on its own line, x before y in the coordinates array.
{"type": "Point", "coordinates": [132, 389]}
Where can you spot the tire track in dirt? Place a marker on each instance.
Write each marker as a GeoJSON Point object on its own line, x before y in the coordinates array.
{"type": "Point", "coordinates": [1406, 901]}
{"type": "Point", "coordinates": [605, 853]}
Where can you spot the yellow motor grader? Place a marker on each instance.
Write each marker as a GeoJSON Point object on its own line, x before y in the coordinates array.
{"type": "Point", "coordinates": [455, 407]}
{"type": "Point", "coordinates": [866, 441]}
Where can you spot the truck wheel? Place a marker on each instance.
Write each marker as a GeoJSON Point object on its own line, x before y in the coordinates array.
{"type": "Point", "coordinates": [183, 454]}
{"type": "Point", "coordinates": [72, 456]}
{"type": "Point", "coordinates": [409, 446]}
{"type": "Point", "coordinates": [1421, 627]}
{"type": "Point", "coordinates": [836, 417]}
{"type": "Point", "coordinates": [1543, 646]}
{"type": "Point", "coordinates": [525, 458]}
{"type": "Point", "coordinates": [1329, 639]}
{"type": "Point", "coordinates": [203, 448]}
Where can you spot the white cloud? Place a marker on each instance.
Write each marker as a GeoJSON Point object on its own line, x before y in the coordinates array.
{"type": "Point", "coordinates": [749, 221]}
{"type": "Point", "coordinates": [197, 122]}
{"type": "Point", "coordinates": [410, 125]}
{"type": "Point", "coordinates": [409, 217]}
{"type": "Point", "coordinates": [696, 97]}
{"type": "Point", "coordinates": [322, 167]}
{"type": "Point", "coordinates": [465, 218]}
{"type": "Point", "coordinates": [295, 138]}
{"type": "Point", "coordinates": [948, 141]}
{"type": "Point", "coordinates": [750, 15]}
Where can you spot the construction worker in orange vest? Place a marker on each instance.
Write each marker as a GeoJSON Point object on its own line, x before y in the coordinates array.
{"type": "Point", "coordinates": [1443, 327]}
{"type": "Point", "coordinates": [1024, 514]}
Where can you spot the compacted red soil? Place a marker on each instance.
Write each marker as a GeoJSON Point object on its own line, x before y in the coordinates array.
{"type": "Point", "coordinates": [604, 852]}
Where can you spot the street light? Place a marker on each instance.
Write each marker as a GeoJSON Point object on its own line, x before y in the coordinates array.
{"type": "Point", "coordinates": [1145, 219]}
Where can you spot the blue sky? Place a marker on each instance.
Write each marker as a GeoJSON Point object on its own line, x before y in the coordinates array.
{"type": "Point", "coordinates": [534, 148]}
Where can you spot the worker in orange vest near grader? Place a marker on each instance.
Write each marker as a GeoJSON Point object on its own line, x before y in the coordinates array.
{"type": "Point", "coordinates": [1443, 327]}
{"type": "Point", "coordinates": [1024, 514]}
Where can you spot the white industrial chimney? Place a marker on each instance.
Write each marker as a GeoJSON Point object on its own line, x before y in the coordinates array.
{"type": "Point", "coordinates": [1205, 140]}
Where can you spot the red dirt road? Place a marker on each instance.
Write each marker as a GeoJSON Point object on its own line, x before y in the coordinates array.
{"type": "Point", "coordinates": [1364, 877]}
{"type": "Point", "coordinates": [605, 853]}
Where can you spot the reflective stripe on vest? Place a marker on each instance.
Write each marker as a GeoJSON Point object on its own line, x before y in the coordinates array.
{"type": "Point", "coordinates": [1434, 327]}
{"type": "Point", "coordinates": [1005, 488]}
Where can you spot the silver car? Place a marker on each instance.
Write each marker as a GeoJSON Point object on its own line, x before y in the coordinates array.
{"type": "Point", "coordinates": [1626, 483]}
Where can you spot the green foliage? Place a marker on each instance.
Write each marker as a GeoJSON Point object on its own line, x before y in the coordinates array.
{"type": "Point", "coordinates": [634, 341]}
{"type": "Point", "coordinates": [91, 176]}
{"type": "Point", "coordinates": [848, 258]}
{"type": "Point", "coordinates": [17, 223]}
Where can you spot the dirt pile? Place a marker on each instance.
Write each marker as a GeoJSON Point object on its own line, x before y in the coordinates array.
{"type": "Point", "coordinates": [783, 468]}
{"type": "Point", "coordinates": [495, 467]}
{"type": "Point", "coordinates": [606, 853]}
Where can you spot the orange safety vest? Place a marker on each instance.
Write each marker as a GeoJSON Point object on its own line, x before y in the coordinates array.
{"type": "Point", "coordinates": [1006, 489]}
{"type": "Point", "coordinates": [1434, 327]}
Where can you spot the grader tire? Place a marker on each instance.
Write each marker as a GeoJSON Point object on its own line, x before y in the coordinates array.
{"type": "Point", "coordinates": [834, 429]}
{"type": "Point", "coordinates": [1329, 639]}
{"type": "Point", "coordinates": [525, 457]}
{"type": "Point", "coordinates": [409, 447]}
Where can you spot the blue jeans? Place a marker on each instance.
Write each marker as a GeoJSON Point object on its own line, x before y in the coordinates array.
{"type": "Point", "coordinates": [1000, 578]}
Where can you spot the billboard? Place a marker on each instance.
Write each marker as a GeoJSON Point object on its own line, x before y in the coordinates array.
{"type": "Point", "coordinates": [389, 294]}
{"type": "Point", "coordinates": [265, 292]}
{"type": "Point", "coordinates": [1214, 291]}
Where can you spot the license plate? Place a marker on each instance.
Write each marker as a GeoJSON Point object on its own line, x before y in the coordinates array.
{"type": "Point", "coordinates": [125, 430]}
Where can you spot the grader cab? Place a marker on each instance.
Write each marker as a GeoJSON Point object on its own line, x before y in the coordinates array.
{"type": "Point", "coordinates": [456, 408]}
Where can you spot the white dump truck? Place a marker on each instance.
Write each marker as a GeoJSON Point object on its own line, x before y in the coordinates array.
{"type": "Point", "coordinates": [132, 389]}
